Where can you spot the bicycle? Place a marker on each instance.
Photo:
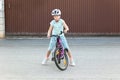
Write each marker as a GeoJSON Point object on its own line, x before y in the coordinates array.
{"type": "Point", "coordinates": [59, 55]}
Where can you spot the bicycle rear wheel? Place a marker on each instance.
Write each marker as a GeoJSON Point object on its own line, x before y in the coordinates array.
{"type": "Point", "coordinates": [61, 62]}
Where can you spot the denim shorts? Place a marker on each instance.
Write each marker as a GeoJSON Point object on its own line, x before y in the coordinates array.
{"type": "Point", "coordinates": [53, 41]}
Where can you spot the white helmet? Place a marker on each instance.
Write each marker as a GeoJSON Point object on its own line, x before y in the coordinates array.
{"type": "Point", "coordinates": [56, 12]}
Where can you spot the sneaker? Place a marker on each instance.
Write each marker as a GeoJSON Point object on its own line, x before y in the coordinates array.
{"type": "Point", "coordinates": [45, 61]}
{"type": "Point", "coordinates": [72, 63]}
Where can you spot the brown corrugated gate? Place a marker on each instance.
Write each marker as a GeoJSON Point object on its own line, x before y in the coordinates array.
{"type": "Point", "coordinates": [82, 16]}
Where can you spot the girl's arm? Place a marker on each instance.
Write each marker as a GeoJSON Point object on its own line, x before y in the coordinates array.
{"type": "Point", "coordinates": [49, 31]}
{"type": "Point", "coordinates": [66, 27]}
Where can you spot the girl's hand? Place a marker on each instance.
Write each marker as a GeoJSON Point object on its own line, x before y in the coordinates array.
{"type": "Point", "coordinates": [48, 36]}
{"type": "Point", "coordinates": [65, 31]}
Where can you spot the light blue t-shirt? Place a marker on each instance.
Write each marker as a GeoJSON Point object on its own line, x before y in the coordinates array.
{"type": "Point", "coordinates": [57, 26]}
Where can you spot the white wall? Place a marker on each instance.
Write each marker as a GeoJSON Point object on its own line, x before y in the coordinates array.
{"type": "Point", "coordinates": [2, 19]}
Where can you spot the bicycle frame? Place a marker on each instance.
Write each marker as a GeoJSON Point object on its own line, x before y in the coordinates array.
{"type": "Point", "coordinates": [59, 54]}
{"type": "Point", "coordinates": [59, 45]}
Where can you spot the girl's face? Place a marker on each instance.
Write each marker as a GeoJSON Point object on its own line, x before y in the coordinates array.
{"type": "Point", "coordinates": [56, 18]}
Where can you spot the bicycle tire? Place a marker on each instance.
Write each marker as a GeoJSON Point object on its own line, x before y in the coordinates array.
{"type": "Point", "coordinates": [56, 60]}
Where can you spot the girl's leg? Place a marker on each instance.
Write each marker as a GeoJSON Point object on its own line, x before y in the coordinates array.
{"type": "Point", "coordinates": [48, 54]}
{"type": "Point", "coordinates": [46, 57]}
{"type": "Point", "coordinates": [51, 46]}
{"type": "Point", "coordinates": [65, 44]}
{"type": "Point", "coordinates": [69, 54]}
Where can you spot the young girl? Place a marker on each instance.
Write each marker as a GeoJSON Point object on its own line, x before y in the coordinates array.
{"type": "Point", "coordinates": [56, 26]}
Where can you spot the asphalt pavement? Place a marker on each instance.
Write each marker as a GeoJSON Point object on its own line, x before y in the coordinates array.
{"type": "Point", "coordinates": [96, 58]}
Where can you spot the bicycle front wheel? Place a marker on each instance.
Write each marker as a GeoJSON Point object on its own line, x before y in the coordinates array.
{"type": "Point", "coordinates": [61, 61]}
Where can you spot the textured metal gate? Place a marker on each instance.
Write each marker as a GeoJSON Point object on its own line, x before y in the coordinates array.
{"type": "Point", "coordinates": [82, 16]}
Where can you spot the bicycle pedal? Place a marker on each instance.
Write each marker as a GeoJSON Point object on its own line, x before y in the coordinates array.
{"type": "Point", "coordinates": [53, 59]}
{"type": "Point", "coordinates": [62, 57]}
{"type": "Point", "coordinates": [59, 62]}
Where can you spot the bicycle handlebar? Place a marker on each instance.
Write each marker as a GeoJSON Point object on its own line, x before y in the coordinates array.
{"type": "Point", "coordinates": [58, 34]}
